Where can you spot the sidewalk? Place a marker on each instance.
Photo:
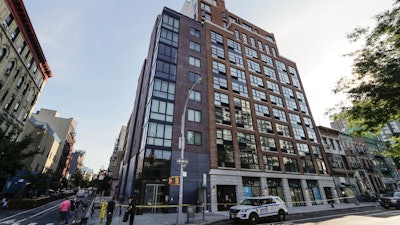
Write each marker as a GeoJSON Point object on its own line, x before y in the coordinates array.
{"type": "Point", "coordinates": [209, 218]}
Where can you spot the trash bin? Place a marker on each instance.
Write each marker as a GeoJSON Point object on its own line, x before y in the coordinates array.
{"type": "Point", "coordinates": [190, 214]}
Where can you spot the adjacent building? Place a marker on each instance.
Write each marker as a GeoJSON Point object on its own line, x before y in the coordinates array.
{"type": "Point", "coordinates": [246, 127]}
{"type": "Point", "coordinates": [64, 129]}
{"type": "Point", "coordinates": [23, 67]}
{"type": "Point", "coordinates": [114, 168]}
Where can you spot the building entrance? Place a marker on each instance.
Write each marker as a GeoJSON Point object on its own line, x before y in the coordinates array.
{"type": "Point", "coordinates": [155, 196]}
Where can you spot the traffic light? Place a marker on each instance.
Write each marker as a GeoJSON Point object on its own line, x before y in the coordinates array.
{"type": "Point", "coordinates": [174, 180]}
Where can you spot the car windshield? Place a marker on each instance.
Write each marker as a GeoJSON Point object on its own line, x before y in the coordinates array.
{"type": "Point", "coordinates": [396, 195]}
{"type": "Point", "coordinates": [249, 202]}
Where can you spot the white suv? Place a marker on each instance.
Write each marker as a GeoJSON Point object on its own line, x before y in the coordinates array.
{"type": "Point", "coordinates": [253, 208]}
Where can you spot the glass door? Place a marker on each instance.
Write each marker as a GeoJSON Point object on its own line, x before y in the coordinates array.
{"type": "Point", "coordinates": [155, 196]}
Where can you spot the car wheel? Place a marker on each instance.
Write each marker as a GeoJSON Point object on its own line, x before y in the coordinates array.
{"type": "Point", "coordinates": [281, 216]}
{"type": "Point", "coordinates": [253, 219]}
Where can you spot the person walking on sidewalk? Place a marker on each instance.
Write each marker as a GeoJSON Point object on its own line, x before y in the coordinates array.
{"type": "Point", "coordinates": [103, 210]}
{"type": "Point", "coordinates": [64, 211]}
{"type": "Point", "coordinates": [131, 210]}
{"type": "Point", "coordinates": [110, 211]}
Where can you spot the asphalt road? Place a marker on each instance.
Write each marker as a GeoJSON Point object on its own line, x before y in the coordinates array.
{"type": "Point", "coordinates": [357, 216]}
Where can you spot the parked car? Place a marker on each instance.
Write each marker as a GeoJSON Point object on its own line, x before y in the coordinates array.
{"type": "Point", "coordinates": [390, 200]}
{"type": "Point", "coordinates": [252, 209]}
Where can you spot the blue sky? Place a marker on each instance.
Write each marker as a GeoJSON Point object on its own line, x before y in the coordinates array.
{"type": "Point", "coordinates": [95, 49]}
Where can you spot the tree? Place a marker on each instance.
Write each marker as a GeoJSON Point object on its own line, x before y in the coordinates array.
{"type": "Point", "coordinates": [373, 89]}
{"type": "Point", "coordinates": [12, 155]}
{"type": "Point", "coordinates": [78, 180]}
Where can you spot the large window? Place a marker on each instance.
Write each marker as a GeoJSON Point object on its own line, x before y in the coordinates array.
{"type": "Point", "coordinates": [290, 164]}
{"type": "Point", "coordinates": [225, 148]}
{"type": "Point", "coordinates": [286, 146]}
{"type": "Point", "coordinates": [271, 163]}
{"type": "Point", "coordinates": [267, 144]}
{"type": "Point", "coordinates": [165, 70]}
{"type": "Point", "coordinates": [159, 134]}
{"type": "Point", "coordinates": [167, 53]}
{"type": "Point", "coordinates": [243, 113]}
{"type": "Point", "coordinates": [193, 138]}
{"type": "Point", "coordinates": [261, 110]}
{"type": "Point", "coordinates": [296, 192]}
{"type": "Point", "coordinates": [275, 187]}
{"type": "Point", "coordinates": [160, 110]}
{"type": "Point", "coordinates": [169, 37]}
{"type": "Point", "coordinates": [315, 195]}
{"type": "Point", "coordinates": [248, 151]}
{"type": "Point", "coordinates": [164, 89]}
{"type": "Point", "coordinates": [264, 126]}
{"type": "Point", "coordinates": [222, 115]}
{"type": "Point", "coordinates": [170, 23]}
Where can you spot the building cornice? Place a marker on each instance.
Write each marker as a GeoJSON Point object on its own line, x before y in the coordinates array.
{"type": "Point", "coordinates": [21, 17]}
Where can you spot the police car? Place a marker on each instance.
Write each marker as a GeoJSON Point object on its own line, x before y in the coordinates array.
{"type": "Point", "coordinates": [253, 208]}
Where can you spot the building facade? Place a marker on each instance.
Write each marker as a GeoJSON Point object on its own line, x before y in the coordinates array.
{"type": "Point", "coordinates": [247, 129]}
{"type": "Point", "coordinates": [23, 66]}
{"type": "Point", "coordinates": [64, 128]}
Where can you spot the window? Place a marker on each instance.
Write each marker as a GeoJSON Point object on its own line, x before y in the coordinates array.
{"type": "Point", "coordinates": [164, 89]}
{"type": "Point", "coordinates": [251, 53]}
{"type": "Point", "coordinates": [7, 22]}
{"type": "Point", "coordinates": [271, 163]}
{"type": "Point", "coordinates": [170, 23]}
{"type": "Point", "coordinates": [248, 151]}
{"type": "Point", "coordinates": [253, 42]}
{"type": "Point", "coordinates": [259, 95]}
{"type": "Point", "coordinates": [243, 113]}
{"type": "Point", "coordinates": [225, 148]}
{"type": "Point", "coordinates": [276, 100]}
{"type": "Point", "coordinates": [205, 7]}
{"type": "Point", "coordinates": [261, 110]}
{"type": "Point", "coordinates": [282, 130]}
{"type": "Point", "coordinates": [217, 52]}
{"type": "Point", "coordinates": [290, 164]}
{"type": "Point", "coordinates": [163, 111]}
{"type": "Point", "coordinates": [279, 115]}
{"type": "Point", "coordinates": [269, 72]}
{"type": "Point", "coordinates": [194, 115]}
{"type": "Point", "coordinates": [194, 61]}
{"type": "Point", "coordinates": [222, 115]}
{"type": "Point", "coordinates": [286, 146]}
{"type": "Point", "coordinates": [194, 32]}
{"type": "Point", "coordinates": [21, 47]}
{"type": "Point", "coordinates": [193, 138]}
{"type": "Point", "coordinates": [159, 134]}
{"type": "Point", "coordinates": [221, 99]}
{"type": "Point", "coordinates": [167, 53]}
{"type": "Point", "coordinates": [169, 37]}
{"type": "Point", "coordinates": [165, 70]}
{"type": "Point", "coordinates": [267, 60]}
{"type": "Point", "coordinates": [195, 96]}
{"type": "Point", "coordinates": [264, 126]}
{"type": "Point", "coordinates": [219, 68]}
{"type": "Point", "coordinates": [274, 87]}
{"type": "Point", "coordinates": [253, 66]}
{"type": "Point", "coordinates": [193, 77]}
{"type": "Point", "coordinates": [260, 46]}
{"type": "Point", "coordinates": [216, 38]}
{"type": "Point", "coordinates": [267, 144]}
{"type": "Point", "coordinates": [220, 81]}
{"type": "Point", "coordinates": [244, 38]}
{"type": "Point", "coordinates": [194, 46]}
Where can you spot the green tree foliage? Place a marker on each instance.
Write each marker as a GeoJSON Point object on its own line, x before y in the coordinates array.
{"type": "Point", "coordinates": [12, 155]}
{"type": "Point", "coordinates": [373, 90]}
{"type": "Point", "coordinates": [78, 180]}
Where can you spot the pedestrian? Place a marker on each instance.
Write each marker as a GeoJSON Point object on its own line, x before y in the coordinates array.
{"type": "Point", "coordinates": [103, 210]}
{"type": "Point", "coordinates": [64, 211]}
{"type": "Point", "coordinates": [110, 211]}
{"type": "Point", "coordinates": [131, 209]}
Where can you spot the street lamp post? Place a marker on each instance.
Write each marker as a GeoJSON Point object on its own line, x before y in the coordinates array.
{"type": "Point", "coordinates": [182, 161]}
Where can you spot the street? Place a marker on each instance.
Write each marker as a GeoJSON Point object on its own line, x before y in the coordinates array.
{"type": "Point", "coordinates": [43, 215]}
{"type": "Point", "coordinates": [357, 216]}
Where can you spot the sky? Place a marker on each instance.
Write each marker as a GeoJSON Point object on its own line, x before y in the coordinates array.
{"type": "Point", "coordinates": [96, 48]}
